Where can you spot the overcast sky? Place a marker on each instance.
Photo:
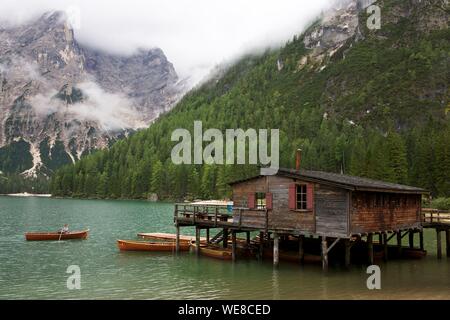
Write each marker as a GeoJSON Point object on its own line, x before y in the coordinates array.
{"type": "Point", "coordinates": [194, 34]}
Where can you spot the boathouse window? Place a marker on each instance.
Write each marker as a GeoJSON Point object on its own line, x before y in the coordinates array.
{"type": "Point", "coordinates": [260, 200]}
{"type": "Point", "coordinates": [301, 196]}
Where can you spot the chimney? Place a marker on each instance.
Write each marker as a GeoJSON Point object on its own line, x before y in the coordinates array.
{"type": "Point", "coordinates": [298, 159]}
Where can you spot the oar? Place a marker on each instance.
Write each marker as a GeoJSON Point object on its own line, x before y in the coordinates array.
{"type": "Point", "coordinates": [60, 234]}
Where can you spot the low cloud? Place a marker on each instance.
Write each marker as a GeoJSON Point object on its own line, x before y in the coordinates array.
{"type": "Point", "coordinates": [195, 35]}
{"type": "Point", "coordinates": [112, 112]}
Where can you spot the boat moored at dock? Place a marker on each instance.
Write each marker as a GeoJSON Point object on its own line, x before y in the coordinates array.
{"type": "Point", "coordinates": [133, 245]}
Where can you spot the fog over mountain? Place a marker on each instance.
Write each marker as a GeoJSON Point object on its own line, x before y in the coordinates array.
{"type": "Point", "coordinates": [60, 99]}
{"type": "Point", "coordinates": [195, 35]}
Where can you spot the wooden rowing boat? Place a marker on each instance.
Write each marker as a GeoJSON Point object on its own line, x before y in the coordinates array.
{"type": "Point", "coordinates": [132, 245]}
{"type": "Point", "coordinates": [47, 236]}
{"type": "Point", "coordinates": [214, 252]}
{"type": "Point", "coordinates": [167, 236]}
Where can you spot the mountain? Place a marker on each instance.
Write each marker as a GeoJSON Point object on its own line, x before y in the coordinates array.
{"type": "Point", "coordinates": [368, 102]}
{"type": "Point", "coordinates": [60, 100]}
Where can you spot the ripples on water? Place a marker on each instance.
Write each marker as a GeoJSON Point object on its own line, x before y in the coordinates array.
{"type": "Point", "coordinates": [37, 270]}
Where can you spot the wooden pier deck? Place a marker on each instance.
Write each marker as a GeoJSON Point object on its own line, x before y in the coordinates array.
{"type": "Point", "coordinates": [167, 236]}
{"type": "Point", "coordinates": [440, 221]}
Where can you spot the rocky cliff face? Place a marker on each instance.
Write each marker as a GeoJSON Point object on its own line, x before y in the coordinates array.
{"type": "Point", "coordinates": [64, 99]}
{"type": "Point", "coordinates": [341, 25]}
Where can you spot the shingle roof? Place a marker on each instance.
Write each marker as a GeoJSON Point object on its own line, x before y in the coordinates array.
{"type": "Point", "coordinates": [346, 181]}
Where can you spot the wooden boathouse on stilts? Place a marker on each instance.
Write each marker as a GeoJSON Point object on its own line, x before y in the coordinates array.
{"type": "Point", "coordinates": [332, 214]}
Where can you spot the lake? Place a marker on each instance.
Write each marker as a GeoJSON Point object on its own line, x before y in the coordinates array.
{"type": "Point", "coordinates": [37, 270]}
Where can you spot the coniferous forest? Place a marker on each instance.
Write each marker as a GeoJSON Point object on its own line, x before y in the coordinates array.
{"type": "Point", "coordinates": [379, 109]}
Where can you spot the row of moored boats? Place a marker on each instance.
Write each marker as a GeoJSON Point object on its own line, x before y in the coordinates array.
{"type": "Point", "coordinates": [150, 242]}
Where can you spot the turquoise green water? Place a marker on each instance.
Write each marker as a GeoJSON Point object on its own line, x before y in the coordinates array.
{"type": "Point", "coordinates": [37, 270]}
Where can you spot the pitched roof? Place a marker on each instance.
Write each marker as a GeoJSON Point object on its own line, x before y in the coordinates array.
{"type": "Point", "coordinates": [345, 181]}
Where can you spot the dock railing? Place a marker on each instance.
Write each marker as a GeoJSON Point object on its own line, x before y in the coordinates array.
{"type": "Point", "coordinates": [188, 212]}
{"type": "Point", "coordinates": [220, 216]}
{"type": "Point", "coordinates": [435, 216]}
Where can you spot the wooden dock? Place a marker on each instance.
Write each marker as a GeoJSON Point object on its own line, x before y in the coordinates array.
{"type": "Point", "coordinates": [167, 236]}
{"type": "Point", "coordinates": [440, 221]}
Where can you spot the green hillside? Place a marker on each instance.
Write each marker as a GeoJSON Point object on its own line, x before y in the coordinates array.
{"type": "Point", "coordinates": [376, 108]}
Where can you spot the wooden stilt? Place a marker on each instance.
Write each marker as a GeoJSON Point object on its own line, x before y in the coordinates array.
{"type": "Point", "coordinates": [177, 240]}
{"type": "Point", "coordinates": [248, 237]}
{"type": "Point", "coordinates": [422, 247]}
{"type": "Point", "coordinates": [370, 247]}
{"type": "Point", "coordinates": [324, 253]}
{"type": "Point", "coordinates": [439, 244]}
{"type": "Point", "coordinates": [225, 238]}
{"type": "Point", "coordinates": [207, 235]}
{"type": "Point", "coordinates": [233, 248]}
{"type": "Point", "coordinates": [447, 240]}
{"type": "Point", "coordinates": [385, 246]}
{"type": "Point", "coordinates": [197, 240]}
{"type": "Point", "coordinates": [276, 241]}
{"type": "Point", "coordinates": [301, 250]}
{"type": "Point", "coordinates": [399, 242]}
{"type": "Point", "coordinates": [261, 245]}
{"type": "Point", "coordinates": [380, 238]}
{"type": "Point", "coordinates": [347, 253]}
{"type": "Point", "coordinates": [411, 239]}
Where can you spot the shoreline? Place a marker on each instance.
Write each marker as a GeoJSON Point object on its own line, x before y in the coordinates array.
{"type": "Point", "coordinates": [27, 195]}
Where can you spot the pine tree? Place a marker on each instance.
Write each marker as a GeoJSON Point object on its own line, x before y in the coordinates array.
{"type": "Point", "coordinates": [157, 180]}
{"type": "Point", "coordinates": [398, 164]}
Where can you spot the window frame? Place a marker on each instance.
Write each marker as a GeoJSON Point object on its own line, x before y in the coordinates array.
{"type": "Point", "coordinates": [260, 196]}
{"type": "Point", "coordinates": [303, 195]}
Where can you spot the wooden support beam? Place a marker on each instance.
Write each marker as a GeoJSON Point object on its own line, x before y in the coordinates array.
{"type": "Point", "coordinates": [301, 249]}
{"type": "Point", "coordinates": [225, 238]}
{"type": "Point", "coordinates": [197, 240]}
{"type": "Point", "coordinates": [411, 239]}
{"type": "Point", "coordinates": [399, 242]}
{"type": "Point", "coordinates": [177, 240]}
{"type": "Point", "coordinates": [439, 244]}
{"type": "Point", "coordinates": [276, 241]}
{"type": "Point", "coordinates": [392, 235]}
{"type": "Point", "coordinates": [333, 244]}
{"type": "Point", "coordinates": [347, 253]}
{"type": "Point", "coordinates": [422, 247]}
{"type": "Point", "coordinates": [248, 237]}
{"type": "Point", "coordinates": [403, 235]}
{"type": "Point", "coordinates": [370, 247]}
{"type": "Point", "coordinates": [261, 245]}
{"type": "Point", "coordinates": [324, 253]}
{"type": "Point", "coordinates": [207, 235]}
{"type": "Point", "coordinates": [447, 240]}
{"type": "Point", "coordinates": [380, 238]}
{"type": "Point", "coordinates": [385, 246]}
{"type": "Point", "coordinates": [233, 248]}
